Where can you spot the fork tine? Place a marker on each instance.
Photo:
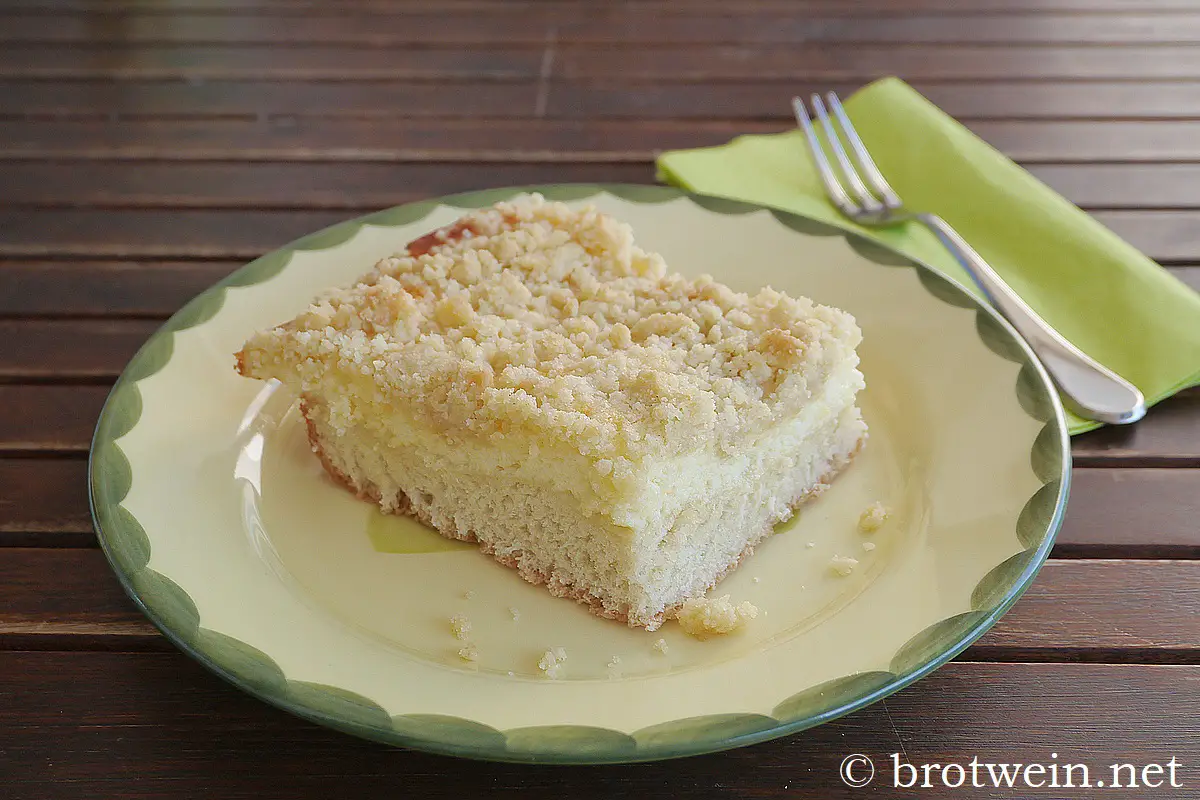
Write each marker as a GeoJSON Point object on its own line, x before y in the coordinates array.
{"type": "Point", "coordinates": [866, 164]}
{"type": "Point", "coordinates": [868, 200]}
{"type": "Point", "coordinates": [833, 187]}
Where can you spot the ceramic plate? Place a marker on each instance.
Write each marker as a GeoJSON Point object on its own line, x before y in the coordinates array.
{"type": "Point", "coordinates": [222, 526]}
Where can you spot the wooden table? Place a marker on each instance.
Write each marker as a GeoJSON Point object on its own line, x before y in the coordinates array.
{"type": "Point", "coordinates": [148, 147]}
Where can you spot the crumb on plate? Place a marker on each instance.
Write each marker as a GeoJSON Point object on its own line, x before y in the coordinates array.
{"type": "Point", "coordinates": [551, 662]}
{"type": "Point", "coordinates": [461, 626]}
{"type": "Point", "coordinates": [843, 565]}
{"type": "Point", "coordinates": [873, 517]}
{"type": "Point", "coordinates": [703, 617]}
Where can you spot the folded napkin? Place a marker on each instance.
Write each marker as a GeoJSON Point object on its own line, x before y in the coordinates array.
{"type": "Point", "coordinates": [1097, 290]}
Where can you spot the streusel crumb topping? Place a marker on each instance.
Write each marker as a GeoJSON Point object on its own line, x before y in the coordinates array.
{"type": "Point", "coordinates": [533, 318]}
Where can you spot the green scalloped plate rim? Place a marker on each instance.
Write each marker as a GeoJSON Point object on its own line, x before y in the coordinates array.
{"type": "Point", "coordinates": [127, 547]}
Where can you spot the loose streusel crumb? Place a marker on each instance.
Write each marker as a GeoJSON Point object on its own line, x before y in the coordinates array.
{"type": "Point", "coordinates": [469, 594]}
{"type": "Point", "coordinates": [811, 545]}
{"type": "Point", "coordinates": [461, 626]}
{"type": "Point", "coordinates": [551, 662]}
{"type": "Point", "coordinates": [515, 613]}
{"type": "Point", "coordinates": [660, 647]}
{"type": "Point", "coordinates": [843, 565]}
{"type": "Point", "coordinates": [873, 517]}
{"type": "Point", "coordinates": [704, 617]}
{"type": "Point", "coordinates": [868, 546]}
{"type": "Point", "coordinates": [551, 321]}
{"type": "Point", "coordinates": [469, 652]}
{"type": "Point", "coordinates": [755, 579]}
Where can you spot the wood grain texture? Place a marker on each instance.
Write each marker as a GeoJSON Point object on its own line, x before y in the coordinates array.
{"type": "Point", "coordinates": [258, 98]}
{"type": "Point", "coordinates": [233, 235]}
{"type": "Point", "coordinates": [957, 62]}
{"type": "Point", "coordinates": [758, 99]}
{"type": "Point", "coordinates": [1075, 609]}
{"type": "Point", "coordinates": [1123, 513]}
{"type": "Point", "coordinates": [104, 288]}
{"type": "Point", "coordinates": [1169, 436]}
{"type": "Point", "coordinates": [354, 187]}
{"type": "Point", "coordinates": [636, 23]}
{"type": "Point", "coordinates": [370, 186]}
{"type": "Point", "coordinates": [149, 234]}
{"type": "Point", "coordinates": [44, 503]}
{"type": "Point", "coordinates": [306, 62]}
{"type": "Point", "coordinates": [626, 61]}
{"type": "Point", "coordinates": [80, 350]}
{"type": "Point", "coordinates": [728, 100]}
{"type": "Point", "coordinates": [151, 723]}
{"type": "Point", "coordinates": [292, 136]}
{"type": "Point", "coordinates": [49, 419]}
{"type": "Point", "coordinates": [572, 8]}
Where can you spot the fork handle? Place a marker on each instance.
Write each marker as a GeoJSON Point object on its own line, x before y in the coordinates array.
{"type": "Point", "coordinates": [1091, 389]}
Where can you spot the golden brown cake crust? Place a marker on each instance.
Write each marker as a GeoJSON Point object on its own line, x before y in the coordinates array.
{"type": "Point", "coordinates": [537, 577]}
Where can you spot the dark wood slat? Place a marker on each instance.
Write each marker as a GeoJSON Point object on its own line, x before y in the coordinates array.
{"type": "Point", "coordinates": [149, 234]}
{"type": "Point", "coordinates": [1168, 235]}
{"type": "Point", "coordinates": [961, 63]}
{"type": "Point", "coordinates": [359, 186]}
{"type": "Point", "coordinates": [1075, 141]}
{"type": "Point", "coordinates": [526, 140]}
{"type": "Point", "coordinates": [1124, 186]}
{"type": "Point", "coordinates": [277, 185]}
{"type": "Point", "coordinates": [1189, 275]}
{"type": "Point", "coordinates": [103, 288]}
{"type": "Point", "coordinates": [299, 62]}
{"type": "Point", "coordinates": [1169, 436]}
{"type": "Point", "coordinates": [199, 97]}
{"type": "Point", "coordinates": [634, 24]}
{"type": "Point", "coordinates": [768, 100]}
{"type": "Point", "coordinates": [1123, 512]}
{"type": "Point", "coordinates": [161, 722]}
{"type": "Point", "coordinates": [293, 137]}
{"type": "Point", "coordinates": [77, 350]}
{"type": "Point", "coordinates": [1092, 595]}
{"type": "Point", "coordinates": [49, 419]}
{"type": "Point", "coordinates": [45, 503]}
{"type": "Point", "coordinates": [627, 62]}
{"type": "Point", "coordinates": [26, 233]}
{"type": "Point", "coordinates": [1073, 606]}
{"type": "Point", "coordinates": [571, 8]}
{"type": "Point", "coordinates": [756, 100]}
{"type": "Point", "coordinates": [38, 601]}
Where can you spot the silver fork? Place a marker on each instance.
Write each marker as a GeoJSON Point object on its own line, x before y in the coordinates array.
{"type": "Point", "coordinates": [1091, 389]}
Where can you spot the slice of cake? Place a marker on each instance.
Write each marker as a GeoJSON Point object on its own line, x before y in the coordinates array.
{"type": "Point", "coordinates": [531, 380]}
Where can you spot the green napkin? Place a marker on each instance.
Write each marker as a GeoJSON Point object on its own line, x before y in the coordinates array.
{"type": "Point", "coordinates": [1097, 290]}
